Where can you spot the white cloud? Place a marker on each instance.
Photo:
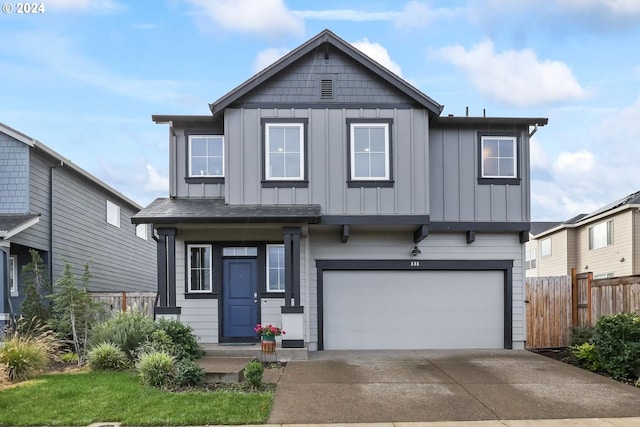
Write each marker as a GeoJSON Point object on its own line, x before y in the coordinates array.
{"type": "Point", "coordinates": [538, 158]}
{"type": "Point", "coordinates": [516, 78]}
{"type": "Point", "coordinates": [268, 18]}
{"type": "Point", "coordinates": [156, 181]}
{"type": "Point", "coordinates": [378, 53]}
{"type": "Point", "coordinates": [346, 15]}
{"type": "Point", "coordinates": [418, 14]}
{"type": "Point", "coordinates": [268, 57]}
{"type": "Point", "coordinates": [92, 6]}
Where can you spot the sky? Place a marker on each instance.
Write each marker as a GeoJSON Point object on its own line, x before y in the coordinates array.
{"type": "Point", "coordinates": [85, 76]}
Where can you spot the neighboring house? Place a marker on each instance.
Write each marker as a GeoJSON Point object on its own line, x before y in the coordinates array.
{"type": "Point", "coordinates": [605, 242]}
{"type": "Point", "coordinates": [327, 195]}
{"type": "Point", "coordinates": [49, 204]}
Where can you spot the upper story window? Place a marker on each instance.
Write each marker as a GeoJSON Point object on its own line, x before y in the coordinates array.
{"type": "Point", "coordinates": [369, 152]}
{"type": "Point", "coordinates": [545, 247]}
{"type": "Point", "coordinates": [113, 214]}
{"type": "Point", "coordinates": [199, 268]}
{"type": "Point", "coordinates": [601, 235]}
{"type": "Point", "coordinates": [13, 275]}
{"type": "Point", "coordinates": [284, 148]}
{"type": "Point", "coordinates": [141, 231]}
{"type": "Point", "coordinates": [275, 268]}
{"type": "Point", "coordinates": [498, 159]}
{"type": "Point", "coordinates": [206, 156]}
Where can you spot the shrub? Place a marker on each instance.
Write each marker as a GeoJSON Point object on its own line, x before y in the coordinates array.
{"type": "Point", "coordinates": [126, 330]}
{"type": "Point", "coordinates": [253, 373]}
{"type": "Point", "coordinates": [188, 374]}
{"type": "Point", "coordinates": [579, 335]}
{"type": "Point", "coordinates": [69, 357]}
{"type": "Point", "coordinates": [181, 335]}
{"type": "Point", "coordinates": [159, 341]}
{"type": "Point", "coordinates": [107, 356]}
{"type": "Point", "coordinates": [585, 356]}
{"type": "Point", "coordinates": [155, 368]}
{"type": "Point", "coordinates": [617, 344]}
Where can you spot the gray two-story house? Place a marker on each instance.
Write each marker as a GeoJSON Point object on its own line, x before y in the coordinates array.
{"type": "Point", "coordinates": [328, 196]}
{"type": "Point", "coordinates": [50, 204]}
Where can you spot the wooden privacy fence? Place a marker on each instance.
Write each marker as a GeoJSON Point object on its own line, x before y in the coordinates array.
{"type": "Point", "coordinates": [114, 302]}
{"type": "Point", "coordinates": [555, 304]}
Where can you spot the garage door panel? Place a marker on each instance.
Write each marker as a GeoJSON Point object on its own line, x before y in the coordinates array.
{"type": "Point", "coordinates": [413, 309]}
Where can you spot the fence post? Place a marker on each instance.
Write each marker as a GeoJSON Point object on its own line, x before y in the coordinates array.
{"type": "Point", "coordinates": [574, 297]}
{"type": "Point", "coordinates": [124, 301]}
{"type": "Point", "coordinates": [589, 280]}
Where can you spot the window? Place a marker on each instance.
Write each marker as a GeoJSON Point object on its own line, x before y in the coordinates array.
{"type": "Point", "coordinates": [206, 156]}
{"type": "Point", "coordinates": [369, 149]}
{"type": "Point", "coordinates": [199, 269]}
{"type": "Point", "coordinates": [545, 247]}
{"type": "Point", "coordinates": [601, 235]}
{"type": "Point", "coordinates": [531, 258]}
{"type": "Point", "coordinates": [13, 275]}
{"type": "Point", "coordinates": [284, 152]}
{"type": "Point", "coordinates": [603, 276]}
{"type": "Point", "coordinates": [498, 160]}
{"type": "Point", "coordinates": [240, 251]}
{"type": "Point", "coordinates": [141, 231]}
{"type": "Point", "coordinates": [113, 214]}
{"type": "Point", "coordinates": [275, 268]}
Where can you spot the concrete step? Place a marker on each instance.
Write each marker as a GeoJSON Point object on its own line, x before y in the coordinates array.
{"type": "Point", "coordinates": [253, 351]}
{"type": "Point", "coordinates": [223, 369]}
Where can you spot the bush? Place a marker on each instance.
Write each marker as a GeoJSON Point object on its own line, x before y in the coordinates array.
{"type": "Point", "coordinates": [69, 357]}
{"type": "Point", "coordinates": [253, 373]}
{"type": "Point", "coordinates": [585, 356]}
{"type": "Point", "coordinates": [155, 368]}
{"type": "Point", "coordinates": [579, 335]}
{"type": "Point", "coordinates": [187, 374]}
{"type": "Point", "coordinates": [107, 356]}
{"type": "Point", "coordinates": [181, 335]}
{"type": "Point", "coordinates": [126, 330]}
{"type": "Point", "coordinates": [617, 344]}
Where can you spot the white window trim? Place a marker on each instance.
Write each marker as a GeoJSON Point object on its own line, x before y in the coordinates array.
{"type": "Point", "coordinates": [608, 225]}
{"type": "Point", "coordinates": [267, 269]}
{"type": "Point", "coordinates": [199, 291]}
{"type": "Point", "coordinates": [13, 265]}
{"type": "Point", "coordinates": [142, 231]}
{"type": "Point", "coordinates": [191, 137]}
{"type": "Point", "coordinates": [514, 141]}
{"type": "Point", "coordinates": [542, 254]}
{"type": "Point", "coordinates": [114, 217]}
{"type": "Point", "coordinates": [267, 159]}
{"type": "Point", "coordinates": [352, 160]}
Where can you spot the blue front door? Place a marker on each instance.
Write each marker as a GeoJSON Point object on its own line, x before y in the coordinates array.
{"type": "Point", "coordinates": [239, 299]}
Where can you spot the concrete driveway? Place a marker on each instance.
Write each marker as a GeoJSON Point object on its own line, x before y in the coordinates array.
{"type": "Point", "coordinates": [438, 385]}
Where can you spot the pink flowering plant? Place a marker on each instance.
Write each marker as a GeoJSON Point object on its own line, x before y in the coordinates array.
{"type": "Point", "coordinates": [269, 330]}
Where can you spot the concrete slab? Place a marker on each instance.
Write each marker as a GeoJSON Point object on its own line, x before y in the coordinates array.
{"type": "Point", "coordinates": [575, 422]}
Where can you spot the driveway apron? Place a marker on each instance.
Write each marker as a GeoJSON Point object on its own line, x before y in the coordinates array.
{"type": "Point", "coordinates": [439, 385]}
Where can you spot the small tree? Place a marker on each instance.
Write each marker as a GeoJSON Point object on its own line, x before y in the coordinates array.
{"type": "Point", "coordinates": [37, 284]}
{"type": "Point", "coordinates": [74, 311]}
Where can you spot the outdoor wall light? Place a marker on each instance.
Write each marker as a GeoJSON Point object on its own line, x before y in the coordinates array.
{"type": "Point", "coordinates": [415, 251]}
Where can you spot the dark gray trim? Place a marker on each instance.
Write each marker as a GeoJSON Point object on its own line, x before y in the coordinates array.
{"type": "Point", "coordinates": [374, 219]}
{"type": "Point", "coordinates": [192, 295]}
{"type": "Point", "coordinates": [199, 180]}
{"type": "Point", "coordinates": [370, 183]}
{"type": "Point", "coordinates": [291, 265]}
{"type": "Point", "coordinates": [492, 227]}
{"type": "Point", "coordinates": [500, 181]}
{"type": "Point", "coordinates": [506, 266]}
{"type": "Point", "coordinates": [302, 183]}
{"type": "Point", "coordinates": [161, 253]}
{"type": "Point", "coordinates": [292, 309]}
{"type": "Point", "coordinates": [325, 37]}
{"type": "Point", "coordinates": [166, 252]}
{"type": "Point", "coordinates": [524, 237]}
{"type": "Point", "coordinates": [421, 233]}
{"type": "Point", "coordinates": [167, 310]}
{"type": "Point", "coordinates": [456, 121]}
{"type": "Point", "coordinates": [326, 104]}
{"type": "Point", "coordinates": [345, 233]}
{"type": "Point", "coordinates": [166, 118]}
{"type": "Point", "coordinates": [471, 236]}
{"type": "Point", "coordinates": [284, 184]}
{"type": "Point", "coordinates": [292, 343]}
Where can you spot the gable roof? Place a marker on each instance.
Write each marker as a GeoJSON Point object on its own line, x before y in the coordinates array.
{"type": "Point", "coordinates": [34, 143]}
{"type": "Point", "coordinates": [10, 224]}
{"type": "Point", "coordinates": [316, 42]}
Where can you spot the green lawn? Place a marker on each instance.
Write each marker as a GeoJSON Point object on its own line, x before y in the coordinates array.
{"type": "Point", "coordinates": [85, 398]}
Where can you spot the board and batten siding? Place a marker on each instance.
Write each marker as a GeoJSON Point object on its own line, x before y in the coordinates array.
{"type": "Point", "coordinates": [608, 259]}
{"type": "Point", "coordinates": [455, 193]}
{"type": "Point", "coordinates": [327, 161]}
{"type": "Point", "coordinates": [325, 245]}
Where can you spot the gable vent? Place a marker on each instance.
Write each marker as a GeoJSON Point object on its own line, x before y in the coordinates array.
{"type": "Point", "coordinates": [326, 89]}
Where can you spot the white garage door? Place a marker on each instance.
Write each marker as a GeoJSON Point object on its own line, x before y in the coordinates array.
{"type": "Point", "coordinates": [413, 309]}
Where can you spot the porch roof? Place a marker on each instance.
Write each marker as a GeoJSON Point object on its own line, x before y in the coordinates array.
{"type": "Point", "coordinates": [171, 211]}
{"type": "Point", "coordinates": [12, 224]}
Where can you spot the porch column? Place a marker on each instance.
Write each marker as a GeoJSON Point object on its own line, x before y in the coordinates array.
{"type": "Point", "coordinates": [167, 274]}
{"type": "Point", "coordinates": [5, 316]}
{"type": "Point", "coordinates": [292, 314]}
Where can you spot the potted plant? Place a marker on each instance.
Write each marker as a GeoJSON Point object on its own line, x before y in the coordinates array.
{"type": "Point", "coordinates": [268, 334]}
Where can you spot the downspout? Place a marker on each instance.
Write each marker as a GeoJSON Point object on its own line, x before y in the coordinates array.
{"type": "Point", "coordinates": [51, 176]}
